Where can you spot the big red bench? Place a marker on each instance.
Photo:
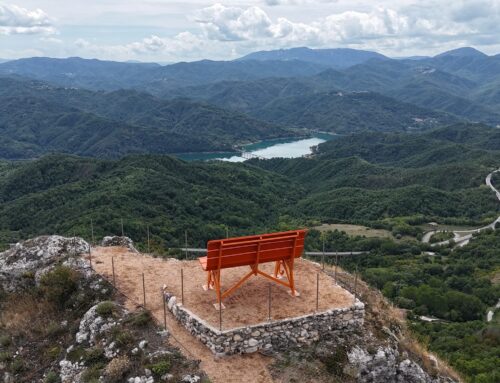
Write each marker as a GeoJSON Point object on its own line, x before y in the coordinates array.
{"type": "Point", "coordinates": [281, 248]}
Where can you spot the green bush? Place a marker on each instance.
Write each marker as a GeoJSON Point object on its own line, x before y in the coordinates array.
{"type": "Point", "coordinates": [53, 352]}
{"type": "Point", "coordinates": [5, 341]}
{"type": "Point", "coordinates": [161, 367]}
{"type": "Point", "coordinates": [17, 365]}
{"type": "Point", "coordinates": [141, 319]}
{"type": "Point", "coordinates": [59, 284]}
{"type": "Point", "coordinates": [94, 356]}
{"type": "Point", "coordinates": [92, 374]}
{"type": "Point", "coordinates": [52, 377]}
{"type": "Point", "coordinates": [5, 356]}
{"type": "Point", "coordinates": [105, 309]}
{"type": "Point", "coordinates": [123, 338]}
{"type": "Point", "coordinates": [335, 362]}
{"type": "Point", "coordinates": [405, 303]}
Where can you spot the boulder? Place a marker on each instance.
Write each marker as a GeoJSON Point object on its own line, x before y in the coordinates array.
{"type": "Point", "coordinates": [29, 260]}
{"type": "Point", "coordinates": [119, 241]}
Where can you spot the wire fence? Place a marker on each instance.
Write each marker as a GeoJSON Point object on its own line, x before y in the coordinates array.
{"type": "Point", "coordinates": [331, 258]}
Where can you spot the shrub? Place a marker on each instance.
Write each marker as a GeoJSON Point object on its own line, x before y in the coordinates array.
{"type": "Point", "coordinates": [94, 355]}
{"type": "Point", "coordinates": [52, 377]}
{"type": "Point", "coordinates": [92, 374]}
{"type": "Point", "coordinates": [4, 340]}
{"type": "Point", "coordinates": [161, 367]}
{"type": "Point", "coordinates": [53, 352]}
{"type": "Point", "coordinates": [105, 309]}
{"type": "Point", "coordinates": [59, 284]}
{"type": "Point", "coordinates": [5, 356]}
{"type": "Point", "coordinates": [117, 368]}
{"type": "Point", "coordinates": [17, 365]}
{"type": "Point", "coordinates": [122, 338]}
{"type": "Point", "coordinates": [141, 319]}
{"type": "Point", "coordinates": [335, 362]}
{"type": "Point", "coordinates": [405, 303]}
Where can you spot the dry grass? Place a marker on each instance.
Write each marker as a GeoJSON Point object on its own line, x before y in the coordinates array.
{"type": "Point", "coordinates": [355, 230]}
{"type": "Point", "coordinates": [27, 315]}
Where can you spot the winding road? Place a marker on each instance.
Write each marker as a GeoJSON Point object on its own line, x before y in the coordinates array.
{"type": "Point", "coordinates": [462, 237]}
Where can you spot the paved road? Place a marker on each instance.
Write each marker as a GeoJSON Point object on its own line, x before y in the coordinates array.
{"type": "Point", "coordinates": [462, 237]}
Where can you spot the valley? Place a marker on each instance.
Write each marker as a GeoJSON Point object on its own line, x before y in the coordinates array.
{"type": "Point", "coordinates": [395, 160]}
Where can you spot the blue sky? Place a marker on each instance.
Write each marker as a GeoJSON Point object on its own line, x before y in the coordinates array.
{"type": "Point", "coordinates": [170, 30]}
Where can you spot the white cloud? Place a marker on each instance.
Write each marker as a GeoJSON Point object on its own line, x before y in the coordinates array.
{"type": "Point", "coordinates": [18, 20]}
{"type": "Point", "coordinates": [184, 44]}
{"type": "Point", "coordinates": [196, 29]}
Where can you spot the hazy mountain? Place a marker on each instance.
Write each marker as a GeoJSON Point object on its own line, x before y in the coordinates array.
{"type": "Point", "coordinates": [338, 58]}
{"type": "Point", "coordinates": [109, 75]}
{"type": "Point", "coordinates": [341, 112]}
{"type": "Point", "coordinates": [78, 72]}
{"type": "Point", "coordinates": [206, 72]}
{"type": "Point", "coordinates": [462, 52]}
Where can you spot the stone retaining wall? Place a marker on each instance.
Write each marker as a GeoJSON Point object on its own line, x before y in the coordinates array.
{"type": "Point", "coordinates": [268, 336]}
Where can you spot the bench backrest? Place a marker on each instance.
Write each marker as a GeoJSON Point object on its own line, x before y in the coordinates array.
{"type": "Point", "coordinates": [243, 251]}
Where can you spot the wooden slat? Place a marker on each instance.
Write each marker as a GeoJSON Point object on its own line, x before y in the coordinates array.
{"type": "Point", "coordinates": [242, 251]}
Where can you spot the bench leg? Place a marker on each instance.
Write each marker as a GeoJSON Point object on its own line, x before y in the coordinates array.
{"type": "Point", "coordinates": [210, 281]}
{"type": "Point", "coordinates": [279, 270]}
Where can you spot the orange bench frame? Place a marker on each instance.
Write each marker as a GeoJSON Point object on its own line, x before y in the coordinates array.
{"type": "Point", "coordinates": [281, 248]}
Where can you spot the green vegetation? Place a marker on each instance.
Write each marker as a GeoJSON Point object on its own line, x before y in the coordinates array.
{"type": "Point", "coordinates": [391, 181]}
{"type": "Point", "coordinates": [105, 309]}
{"type": "Point", "coordinates": [441, 236]}
{"type": "Point", "coordinates": [456, 287]}
{"type": "Point", "coordinates": [59, 285]}
{"type": "Point", "coordinates": [115, 124]}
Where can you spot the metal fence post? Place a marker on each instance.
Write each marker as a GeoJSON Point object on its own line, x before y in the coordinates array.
{"type": "Point", "coordinates": [336, 265]}
{"type": "Point", "coordinates": [220, 315]}
{"type": "Point", "coordinates": [92, 231]}
{"type": "Point", "coordinates": [323, 255]}
{"type": "Point", "coordinates": [182, 286]}
{"type": "Point", "coordinates": [90, 256]}
{"type": "Point", "coordinates": [113, 268]}
{"type": "Point", "coordinates": [144, 289]}
{"type": "Point", "coordinates": [149, 251]}
{"type": "Point", "coordinates": [164, 310]}
{"type": "Point", "coordinates": [355, 283]}
{"type": "Point", "coordinates": [317, 291]}
{"type": "Point", "coordinates": [123, 232]}
{"type": "Point", "coordinates": [269, 308]}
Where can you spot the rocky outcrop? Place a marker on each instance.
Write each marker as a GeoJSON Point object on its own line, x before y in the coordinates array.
{"type": "Point", "coordinates": [119, 241]}
{"type": "Point", "coordinates": [386, 365]}
{"type": "Point", "coordinates": [29, 260]}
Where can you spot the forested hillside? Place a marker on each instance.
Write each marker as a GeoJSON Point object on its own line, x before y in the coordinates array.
{"type": "Point", "coordinates": [404, 182]}
{"type": "Point", "coordinates": [37, 118]}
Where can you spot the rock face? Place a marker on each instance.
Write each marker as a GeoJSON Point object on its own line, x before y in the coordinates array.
{"type": "Point", "coordinates": [119, 241]}
{"type": "Point", "coordinates": [34, 257]}
{"type": "Point", "coordinates": [92, 324]}
{"type": "Point", "coordinates": [385, 366]}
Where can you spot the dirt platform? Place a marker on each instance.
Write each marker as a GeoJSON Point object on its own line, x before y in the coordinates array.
{"type": "Point", "coordinates": [250, 368]}
{"type": "Point", "coordinates": [248, 305]}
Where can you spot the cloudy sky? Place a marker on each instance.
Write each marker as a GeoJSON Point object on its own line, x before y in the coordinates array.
{"type": "Point", "coordinates": [173, 30]}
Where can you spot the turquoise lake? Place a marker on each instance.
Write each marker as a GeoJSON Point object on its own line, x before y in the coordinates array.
{"type": "Point", "coordinates": [286, 147]}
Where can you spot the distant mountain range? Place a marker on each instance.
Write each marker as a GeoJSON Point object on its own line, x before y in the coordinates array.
{"type": "Point", "coordinates": [107, 109]}
{"type": "Point", "coordinates": [336, 58]}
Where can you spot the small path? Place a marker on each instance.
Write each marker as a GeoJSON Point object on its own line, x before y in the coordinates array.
{"type": "Point", "coordinates": [251, 368]}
